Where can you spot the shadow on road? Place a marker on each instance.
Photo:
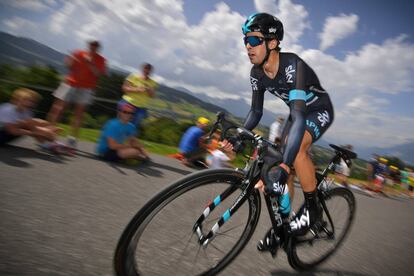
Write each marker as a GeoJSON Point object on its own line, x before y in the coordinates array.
{"type": "Point", "coordinates": [86, 154]}
{"type": "Point", "coordinates": [316, 273]}
{"type": "Point", "coordinates": [12, 155]}
{"type": "Point", "coordinates": [152, 164]}
{"type": "Point", "coordinates": [148, 169]}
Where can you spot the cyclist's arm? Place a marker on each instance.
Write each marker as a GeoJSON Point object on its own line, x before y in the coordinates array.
{"type": "Point", "coordinates": [296, 132]}
{"type": "Point", "coordinates": [297, 105]}
{"type": "Point", "coordinates": [256, 110]}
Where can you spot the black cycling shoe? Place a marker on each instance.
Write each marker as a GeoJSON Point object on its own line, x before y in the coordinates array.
{"type": "Point", "coordinates": [307, 218]}
{"type": "Point", "coordinates": [270, 243]}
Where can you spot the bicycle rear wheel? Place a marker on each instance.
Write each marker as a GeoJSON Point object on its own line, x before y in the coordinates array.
{"type": "Point", "coordinates": [307, 252]}
{"type": "Point", "coordinates": [160, 239]}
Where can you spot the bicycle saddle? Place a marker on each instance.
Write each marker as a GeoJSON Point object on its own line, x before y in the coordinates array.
{"type": "Point", "coordinates": [347, 153]}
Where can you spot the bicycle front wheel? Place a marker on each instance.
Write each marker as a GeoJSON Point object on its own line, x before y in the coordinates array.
{"type": "Point", "coordinates": [307, 252]}
{"type": "Point", "coordinates": [160, 239]}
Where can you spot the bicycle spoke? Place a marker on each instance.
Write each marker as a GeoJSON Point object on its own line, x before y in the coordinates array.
{"type": "Point", "coordinates": [215, 247]}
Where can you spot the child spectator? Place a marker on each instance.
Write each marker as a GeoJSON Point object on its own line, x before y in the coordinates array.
{"type": "Point", "coordinates": [275, 131]}
{"type": "Point", "coordinates": [16, 119]}
{"type": "Point", "coordinates": [218, 157]}
{"type": "Point", "coordinates": [117, 141]}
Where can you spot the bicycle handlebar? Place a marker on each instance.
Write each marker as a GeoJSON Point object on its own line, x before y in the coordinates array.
{"type": "Point", "coordinates": [225, 125]}
{"type": "Point", "coordinates": [271, 156]}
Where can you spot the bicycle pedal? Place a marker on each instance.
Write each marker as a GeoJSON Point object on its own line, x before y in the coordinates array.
{"type": "Point", "coordinates": [269, 244]}
{"type": "Point", "coordinates": [317, 228]}
{"type": "Point", "coordinates": [262, 247]}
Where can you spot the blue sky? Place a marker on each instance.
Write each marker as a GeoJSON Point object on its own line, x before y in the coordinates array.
{"type": "Point", "coordinates": [362, 51]}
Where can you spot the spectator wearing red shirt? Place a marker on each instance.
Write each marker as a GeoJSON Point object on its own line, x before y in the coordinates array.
{"type": "Point", "coordinates": [85, 67]}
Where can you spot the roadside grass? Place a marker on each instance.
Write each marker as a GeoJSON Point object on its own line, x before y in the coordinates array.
{"type": "Point", "coordinates": [92, 135]}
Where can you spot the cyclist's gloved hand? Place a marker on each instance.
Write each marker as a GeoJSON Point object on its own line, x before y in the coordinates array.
{"type": "Point", "coordinates": [277, 185]}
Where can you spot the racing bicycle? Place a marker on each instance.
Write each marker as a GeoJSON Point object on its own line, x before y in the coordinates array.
{"type": "Point", "coordinates": [201, 223]}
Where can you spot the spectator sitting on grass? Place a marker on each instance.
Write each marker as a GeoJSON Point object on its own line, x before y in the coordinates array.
{"type": "Point", "coordinates": [16, 119]}
{"type": "Point", "coordinates": [192, 145]}
{"type": "Point", "coordinates": [118, 138]}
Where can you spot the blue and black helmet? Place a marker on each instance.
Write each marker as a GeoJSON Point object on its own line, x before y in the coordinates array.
{"type": "Point", "coordinates": [270, 26]}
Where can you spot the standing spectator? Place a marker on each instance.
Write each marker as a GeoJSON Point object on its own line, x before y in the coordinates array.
{"type": "Point", "coordinates": [275, 131]}
{"type": "Point", "coordinates": [372, 167]}
{"type": "Point", "coordinates": [138, 89]}
{"type": "Point", "coordinates": [192, 145]}
{"type": "Point", "coordinates": [16, 119]}
{"type": "Point", "coordinates": [404, 175]}
{"type": "Point", "coordinates": [377, 172]}
{"type": "Point", "coordinates": [85, 67]}
{"type": "Point", "coordinates": [343, 169]}
{"type": "Point", "coordinates": [411, 182]}
{"type": "Point", "coordinates": [117, 141]}
{"type": "Point", "coordinates": [394, 175]}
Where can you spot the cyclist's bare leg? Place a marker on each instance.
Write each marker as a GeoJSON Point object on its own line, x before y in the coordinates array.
{"type": "Point", "coordinates": [128, 153]}
{"type": "Point", "coordinates": [303, 164]}
{"type": "Point", "coordinates": [311, 211]}
{"type": "Point", "coordinates": [291, 186]}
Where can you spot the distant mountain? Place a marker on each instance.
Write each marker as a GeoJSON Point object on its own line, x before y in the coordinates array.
{"type": "Point", "coordinates": [27, 52]}
{"type": "Point", "coordinates": [176, 96]}
{"type": "Point", "coordinates": [404, 151]}
{"type": "Point", "coordinates": [238, 107]}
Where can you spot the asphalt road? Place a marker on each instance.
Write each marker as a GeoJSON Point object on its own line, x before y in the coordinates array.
{"type": "Point", "coordinates": [64, 215]}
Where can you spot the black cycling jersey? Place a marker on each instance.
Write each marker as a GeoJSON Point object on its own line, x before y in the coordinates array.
{"type": "Point", "coordinates": [298, 86]}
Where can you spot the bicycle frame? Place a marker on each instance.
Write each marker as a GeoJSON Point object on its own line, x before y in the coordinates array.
{"type": "Point", "coordinates": [253, 174]}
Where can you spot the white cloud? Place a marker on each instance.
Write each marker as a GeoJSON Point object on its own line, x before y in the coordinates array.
{"type": "Point", "coordinates": [17, 23]}
{"type": "Point", "coordinates": [357, 86]}
{"type": "Point", "coordinates": [293, 16]}
{"type": "Point", "coordinates": [31, 5]}
{"type": "Point", "coordinates": [387, 68]}
{"type": "Point", "coordinates": [269, 6]}
{"type": "Point", "coordinates": [337, 28]}
{"type": "Point", "coordinates": [364, 122]}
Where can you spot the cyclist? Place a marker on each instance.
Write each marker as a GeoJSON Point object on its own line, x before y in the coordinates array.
{"type": "Point", "coordinates": [288, 77]}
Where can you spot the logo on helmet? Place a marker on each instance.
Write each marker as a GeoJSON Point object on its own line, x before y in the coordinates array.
{"type": "Point", "coordinates": [272, 30]}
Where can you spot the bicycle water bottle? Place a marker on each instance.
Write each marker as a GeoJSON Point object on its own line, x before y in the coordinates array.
{"type": "Point", "coordinates": [284, 203]}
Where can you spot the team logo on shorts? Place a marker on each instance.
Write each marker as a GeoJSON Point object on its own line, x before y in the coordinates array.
{"type": "Point", "coordinates": [323, 118]}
